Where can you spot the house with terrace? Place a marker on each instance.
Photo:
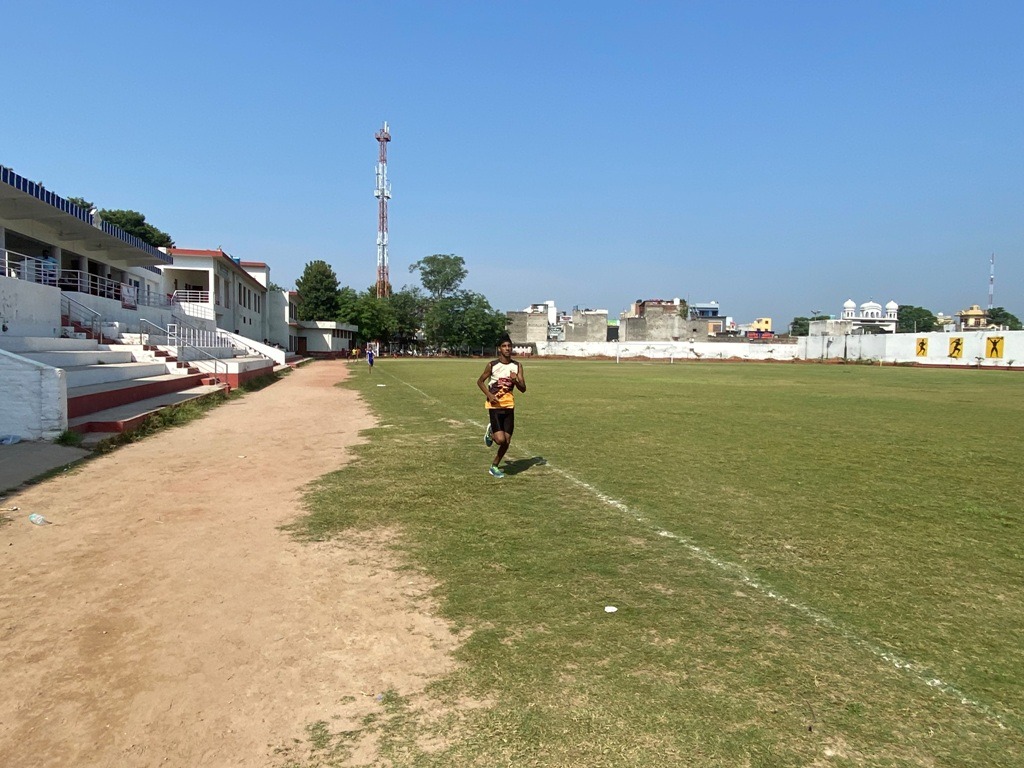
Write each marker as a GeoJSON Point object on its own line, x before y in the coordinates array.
{"type": "Point", "coordinates": [91, 337]}
{"type": "Point", "coordinates": [211, 285]}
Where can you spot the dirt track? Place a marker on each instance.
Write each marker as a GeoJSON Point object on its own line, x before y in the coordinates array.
{"type": "Point", "coordinates": [165, 620]}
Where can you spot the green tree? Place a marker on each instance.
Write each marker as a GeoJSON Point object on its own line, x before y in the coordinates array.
{"type": "Point", "coordinates": [348, 305]}
{"type": "Point", "coordinates": [913, 319]}
{"type": "Point", "coordinates": [801, 326]}
{"type": "Point", "coordinates": [463, 322]}
{"type": "Point", "coordinates": [999, 316]}
{"type": "Point", "coordinates": [318, 292]}
{"type": "Point", "coordinates": [409, 305]}
{"type": "Point", "coordinates": [481, 324]}
{"type": "Point", "coordinates": [375, 317]}
{"type": "Point", "coordinates": [81, 202]}
{"type": "Point", "coordinates": [134, 223]}
{"type": "Point", "coordinates": [441, 274]}
{"type": "Point", "coordinates": [438, 322]}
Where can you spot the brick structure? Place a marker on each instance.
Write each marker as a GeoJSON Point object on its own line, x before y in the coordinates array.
{"type": "Point", "coordinates": [659, 321]}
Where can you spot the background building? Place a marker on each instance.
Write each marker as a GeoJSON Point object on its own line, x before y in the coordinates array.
{"type": "Point", "coordinates": [868, 318]}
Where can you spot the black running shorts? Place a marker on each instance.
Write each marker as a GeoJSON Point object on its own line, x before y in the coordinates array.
{"type": "Point", "coordinates": [503, 420]}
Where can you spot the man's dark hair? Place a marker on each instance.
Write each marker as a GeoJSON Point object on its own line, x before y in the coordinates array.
{"type": "Point", "coordinates": [503, 338]}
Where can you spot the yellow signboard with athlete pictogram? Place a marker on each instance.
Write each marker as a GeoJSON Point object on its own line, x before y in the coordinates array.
{"type": "Point", "coordinates": [956, 347]}
{"type": "Point", "coordinates": [922, 347]}
{"type": "Point", "coordinates": [994, 347]}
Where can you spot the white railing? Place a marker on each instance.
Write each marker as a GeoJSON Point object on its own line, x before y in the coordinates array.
{"type": "Point", "coordinates": [84, 282]}
{"type": "Point", "coordinates": [195, 297]}
{"type": "Point", "coordinates": [233, 340]}
{"type": "Point", "coordinates": [130, 296]}
{"type": "Point", "coordinates": [81, 315]}
{"type": "Point", "coordinates": [194, 304]}
{"type": "Point", "coordinates": [197, 337]}
{"type": "Point", "coordinates": [22, 267]}
{"type": "Point", "coordinates": [151, 334]}
{"type": "Point", "coordinates": [45, 272]}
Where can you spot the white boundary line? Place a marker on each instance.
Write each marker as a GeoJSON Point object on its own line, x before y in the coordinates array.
{"type": "Point", "coordinates": [739, 572]}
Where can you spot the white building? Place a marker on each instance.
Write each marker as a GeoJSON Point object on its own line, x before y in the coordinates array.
{"type": "Point", "coordinates": [869, 317]}
{"type": "Point", "coordinates": [321, 338]}
{"type": "Point", "coordinates": [545, 308]}
{"type": "Point", "coordinates": [213, 286]}
{"type": "Point", "coordinates": [87, 322]}
{"type": "Point", "coordinates": [47, 240]}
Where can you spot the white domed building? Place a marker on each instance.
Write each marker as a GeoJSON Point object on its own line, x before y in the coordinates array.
{"type": "Point", "coordinates": [869, 317]}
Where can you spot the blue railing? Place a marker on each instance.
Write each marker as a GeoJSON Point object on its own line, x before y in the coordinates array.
{"type": "Point", "coordinates": [38, 191]}
{"type": "Point", "coordinates": [132, 240]}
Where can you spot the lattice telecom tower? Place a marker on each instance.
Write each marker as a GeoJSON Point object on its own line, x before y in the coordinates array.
{"type": "Point", "coordinates": [991, 280]}
{"type": "Point", "coordinates": [383, 194]}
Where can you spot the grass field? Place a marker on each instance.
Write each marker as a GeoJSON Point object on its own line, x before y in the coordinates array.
{"type": "Point", "coordinates": [812, 565]}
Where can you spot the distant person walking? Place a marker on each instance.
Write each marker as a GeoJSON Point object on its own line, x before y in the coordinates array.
{"type": "Point", "coordinates": [369, 358]}
{"type": "Point", "coordinates": [498, 382]}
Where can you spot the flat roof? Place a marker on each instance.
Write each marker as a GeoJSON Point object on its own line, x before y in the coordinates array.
{"type": "Point", "coordinates": [214, 253]}
{"type": "Point", "coordinates": [72, 227]}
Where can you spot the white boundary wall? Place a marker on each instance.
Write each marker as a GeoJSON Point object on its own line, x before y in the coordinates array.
{"type": "Point", "coordinates": [33, 398]}
{"type": "Point", "coordinates": [905, 348]}
{"type": "Point", "coordinates": [977, 349]}
{"type": "Point", "coordinates": [671, 350]}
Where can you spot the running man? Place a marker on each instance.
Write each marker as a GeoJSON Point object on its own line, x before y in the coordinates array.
{"type": "Point", "coordinates": [498, 382]}
{"type": "Point", "coordinates": [369, 357]}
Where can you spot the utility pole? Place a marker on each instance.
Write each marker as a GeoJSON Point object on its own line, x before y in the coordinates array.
{"type": "Point", "coordinates": [383, 194]}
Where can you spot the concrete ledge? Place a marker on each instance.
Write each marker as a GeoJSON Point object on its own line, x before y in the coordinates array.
{"type": "Point", "coordinates": [26, 461]}
{"type": "Point", "coordinates": [90, 399]}
{"type": "Point", "coordinates": [20, 344]}
{"type": "Point", "coordinates": [100, 374]}
{"type": "Point", "coordinates": [34, 401]}
{"type": "Point", "coordinates": [78, 357]}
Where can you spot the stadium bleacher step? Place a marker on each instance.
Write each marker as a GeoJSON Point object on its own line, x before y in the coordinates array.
{"type": "Point", "coordinates": [98, 397]}
{"type": "Point", "coordinates": [111, 373]}
{"type": "Point", "coordinates": [99, 425]}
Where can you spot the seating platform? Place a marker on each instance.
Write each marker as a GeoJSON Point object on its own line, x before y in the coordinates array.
{"type": "Point", "coordinates": [99, 425]}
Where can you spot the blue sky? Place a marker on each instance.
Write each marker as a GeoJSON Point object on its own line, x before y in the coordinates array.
{"type": "Point", "coordinates": [778, 157]}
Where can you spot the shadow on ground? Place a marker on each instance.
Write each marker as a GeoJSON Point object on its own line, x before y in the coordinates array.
{"type": "Point", "coordinates": [516, 466]}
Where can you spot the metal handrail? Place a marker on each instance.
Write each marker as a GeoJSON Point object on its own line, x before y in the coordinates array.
{"type": "Point", "coordinates": [92, 319]}
{"type": "Point", "coordinates": [77, 281]}
{"type": "Point", "coordinates": [83, 282]}
{"type": "Point", "coordinates": [45, 272]}
{"type": "Point", "coordinates": [197, 297]}
{"type": "Point", "coordinates": [236, 342]}
{"type": "Point", "coordinates": [194, 304]}
{"type": "Point", "coordinates": [30, 268]}
{"type": "Point", "coordinates": [179, 346]}
{"type": "Point", "coordinates": [199, 337]}
{"type": "Point", "coordinates": [143, 322]}
{"type": "Point", "coordinates": [214, 335]}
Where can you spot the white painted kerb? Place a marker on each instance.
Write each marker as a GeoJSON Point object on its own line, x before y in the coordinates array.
{"type": "Point", "coordinates": [33, 398]}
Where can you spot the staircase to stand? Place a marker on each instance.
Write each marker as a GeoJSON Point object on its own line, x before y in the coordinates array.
{"type": "Point", "coordinates": [75, 329]}
{"type": "Point", "coordinates": [114, 387]}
